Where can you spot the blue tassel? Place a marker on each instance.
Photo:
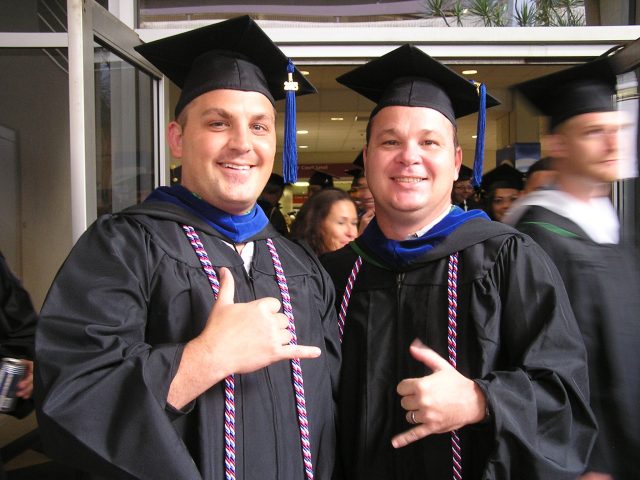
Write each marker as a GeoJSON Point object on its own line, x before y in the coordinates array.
{"type": "Point", "coordinates": [478, 161]}
{"type": "Point", "coordinates": [290, 152]}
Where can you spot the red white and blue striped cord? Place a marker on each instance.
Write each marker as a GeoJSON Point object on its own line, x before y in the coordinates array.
{"type": "Point", "coordinates": [452, 346]}
{"type": "Point", "coordinates": [452, 329]}
{"type": "Point", "coordinates": [229, 385]}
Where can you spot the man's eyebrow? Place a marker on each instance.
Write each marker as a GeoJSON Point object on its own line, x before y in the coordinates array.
{"type": "Point", "coordinates": [226, 114]}
{"type": "Point", "coordinates": [220, 111]}
{"type": "Point", "coordinates": [264, 116]}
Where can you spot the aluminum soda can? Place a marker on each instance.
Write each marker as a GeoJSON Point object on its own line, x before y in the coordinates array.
{"type": "Point", "coordinates": [11, 372]}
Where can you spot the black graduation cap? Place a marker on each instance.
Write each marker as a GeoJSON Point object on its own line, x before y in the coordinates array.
{"type": "Point", "coordinates": [234, 54]}
{"type": "Point", "coordinates": [276, 180]}
{"type": "Point", "coordinates": [587, 88]}
{"type": "Point", "coordinates": [409, 77]}
{"type": "Point", "coordinates": [324, 180]}
{"type": "Point", "coordinates": [465, 173]}
{"type": "Point", "coordinates": [506, 175]}
{"type": "Point", "coordinates": [358, 167]}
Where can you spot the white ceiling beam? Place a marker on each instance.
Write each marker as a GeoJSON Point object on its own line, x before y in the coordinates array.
{"type": "Point", "coordinates": [349, 44]}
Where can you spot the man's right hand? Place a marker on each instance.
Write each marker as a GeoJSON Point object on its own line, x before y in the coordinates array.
{"type": "Point", "coordinates": [238, 338]}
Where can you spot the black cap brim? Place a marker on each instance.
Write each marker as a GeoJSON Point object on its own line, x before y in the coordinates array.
{"type": "Point", "coordinates": [505, 173]}
{"type": "Point", "coordinates": [465, 173]}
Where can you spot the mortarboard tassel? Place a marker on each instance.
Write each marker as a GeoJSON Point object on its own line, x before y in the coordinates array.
{"type": "Point", "coordinates": [478, 161]}
{"type": "Point", "coordinates": [290, 151]}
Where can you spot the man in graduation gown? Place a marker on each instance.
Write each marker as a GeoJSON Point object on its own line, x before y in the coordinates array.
{"type": "Point", "coordinates": [578, 227]}
{"type": "Point", "coordinates": [463, 194]}
{"type": "Point", "coordinates": [163, 353]}
{"type": "Point", "coordinates": [460, 355]}
{"type": "Point", "coordinates": [18, 321]}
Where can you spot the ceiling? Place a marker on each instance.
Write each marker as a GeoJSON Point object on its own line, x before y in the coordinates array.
{"type": "Point", "coordinates": [340, 141]}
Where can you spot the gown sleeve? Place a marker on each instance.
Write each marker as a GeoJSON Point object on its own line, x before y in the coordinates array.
{"type": "Point", "coordinates": [100, 388]}
{"type": "Point", "coordinates": [539, 408]}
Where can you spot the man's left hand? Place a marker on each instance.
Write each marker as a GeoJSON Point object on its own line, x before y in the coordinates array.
{"type": "Point", "coordinates": [441, 402]}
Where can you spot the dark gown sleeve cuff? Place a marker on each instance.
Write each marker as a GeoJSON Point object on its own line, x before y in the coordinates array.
{"type": "Point", "coordinates": [172, 412]}
{"type": "Point", "coordinates": [488, 410]}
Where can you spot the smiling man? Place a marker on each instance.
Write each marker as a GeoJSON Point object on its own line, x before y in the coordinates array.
{"type": "Point", "coordinates": [461, 358]}
{"type": "Point", "coordinates": [164, 350]}
{"type": "Point", "coordinates": [576, 224]}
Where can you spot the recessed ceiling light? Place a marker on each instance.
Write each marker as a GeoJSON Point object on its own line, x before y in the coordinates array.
{"type": "Point", "coordinates": [474, 136]}
{"type": "Point", "coordinates": [303, 146]}
{"type": "Point", "coordinates": [304, 72]}
{"type": "Point", "coordinates": [469, 72]}
{"type": "Point", "coordinates": [302, 132]}
{"type": "Point", "coordinates": [337, 119]}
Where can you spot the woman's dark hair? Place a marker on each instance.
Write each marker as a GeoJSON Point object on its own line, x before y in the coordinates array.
{"type": "Point", "coordinates": [308, 223]}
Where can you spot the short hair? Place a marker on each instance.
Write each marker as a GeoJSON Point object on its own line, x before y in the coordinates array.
{"type": "Point", "coordinates": [541, 165]}
{"type": "Point", "coordinates": [308, 223]}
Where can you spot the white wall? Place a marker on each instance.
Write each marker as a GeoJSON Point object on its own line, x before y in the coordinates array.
{"type": "Point", "coordinates": [34, 103]}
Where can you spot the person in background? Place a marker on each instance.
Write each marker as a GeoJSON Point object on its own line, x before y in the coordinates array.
{"type": "Point", "coordinates": [460, 355]}
{"type": "Point", "coordinates": [504, 186]}
{"type": "Point", "coordinates": [361, 194]}
{"type": "Point", "coordinates": [540, 176]}
{"type": "Point", "coordinates": [327, 221]}
{"type": "Point", "coordinates": [180, 339]}
{"type": "Point", "coordinates": [319, 181]}
{"type": "Point", "coordinates": [18, 320]}
{"type": "Point", "coordinates": [269, 202]}
{"type": "Point", "coordinates": [463, 194]}
{"type": "Point", "coordinates": [576, 224]}
{"type": "Point", "coordinates": [501, 196]}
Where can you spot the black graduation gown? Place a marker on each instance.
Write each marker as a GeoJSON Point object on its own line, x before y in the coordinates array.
{"type": "Point", "coordinates": [114, 324]}
{"type": "Point", "coordinates": [603, 283]}
{"type": "Point", "coordinates": [517, 338]}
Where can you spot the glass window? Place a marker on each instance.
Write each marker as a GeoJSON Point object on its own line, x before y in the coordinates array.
{"type": "Point", "coordinates": [160, 13]}
{"type": "Point", "coordinates": [33, 16]}
{"type": "Point", "coordinates": [125, 147]}
{"type": "Point", "coordinates": [34, 161]}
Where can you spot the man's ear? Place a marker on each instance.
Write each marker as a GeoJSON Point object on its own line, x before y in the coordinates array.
{"type": "Point", "coordinates": [364, 156]}
{"type": "Point", "coordinates": [174, 136]}
{"type": "Point", "coordinates": [458, 162]}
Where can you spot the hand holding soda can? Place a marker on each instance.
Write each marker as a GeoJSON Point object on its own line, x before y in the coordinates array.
{"type": "Point", "coordinates": [12, 371]}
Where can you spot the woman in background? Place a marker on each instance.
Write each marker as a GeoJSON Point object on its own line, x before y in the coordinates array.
{"type": "Point", "coordinates": [327, 221]}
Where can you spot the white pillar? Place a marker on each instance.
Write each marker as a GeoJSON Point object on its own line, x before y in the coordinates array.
{"type": "Point", "coordinates": [81, 116]}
